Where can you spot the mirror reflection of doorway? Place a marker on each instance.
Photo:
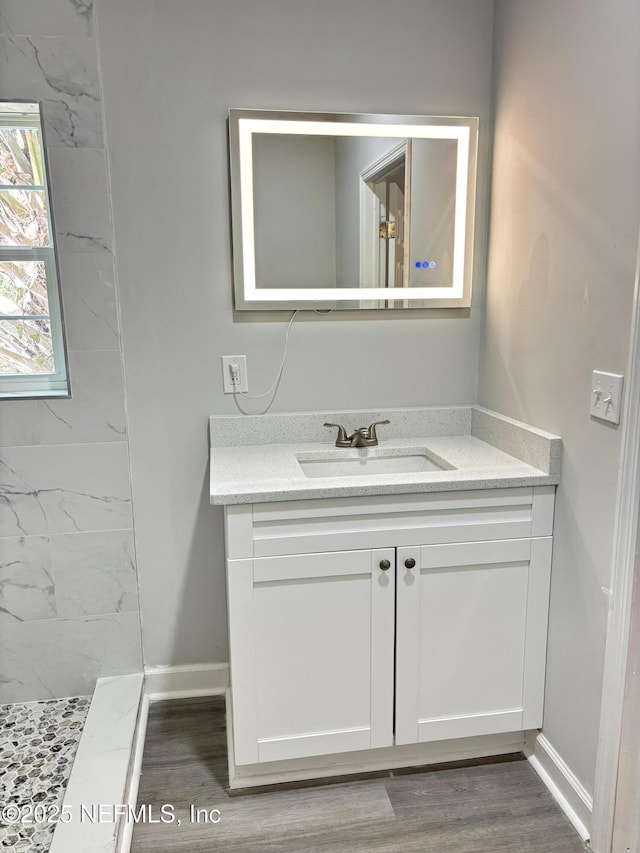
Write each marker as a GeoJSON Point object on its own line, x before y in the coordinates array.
{"type": "Point", "coordinates": [389, 190]}
{"type": "Point", "coordinates": [384, 237]}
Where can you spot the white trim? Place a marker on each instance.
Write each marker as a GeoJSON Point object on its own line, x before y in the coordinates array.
{"type": "Point", "coordinates": [370, 213]}
{"type": "Point", "coordinates": [635, 832]}
{"type": "Point", "coordinates": [622, 573]}
{"type": "Point", "coordinates": [184, 682]}
{"type": "Point", "coordinates": [367, 761]}
{"type": "Point", "coordinates": [369, 217]}
{"type": "Point", "coordinates": [392, 158]}
{"type": "Point", "coordinates": [470, 725]}
{"type": "Point", "coordinates": [563, 785]}
{"type": "Point", "coordinates": [316, 743]}
{"type": "Point", "coordinates": [125, 830]}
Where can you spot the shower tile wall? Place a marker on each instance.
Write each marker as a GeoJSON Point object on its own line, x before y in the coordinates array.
{"type": "Point", "coordinates": [68, 586]}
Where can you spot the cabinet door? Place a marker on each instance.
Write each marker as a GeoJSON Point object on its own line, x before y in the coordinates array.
{"type": "Point", "coordinates": [471, 638]}
{"type": "Point", "coordinates": [311, 653]}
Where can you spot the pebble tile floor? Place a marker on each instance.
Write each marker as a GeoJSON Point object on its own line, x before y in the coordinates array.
{"type": "Point", "coordinates": [38, 743]}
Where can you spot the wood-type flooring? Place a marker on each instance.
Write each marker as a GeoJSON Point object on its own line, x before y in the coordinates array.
{"type": "Point", "coordinates": [484, 808]}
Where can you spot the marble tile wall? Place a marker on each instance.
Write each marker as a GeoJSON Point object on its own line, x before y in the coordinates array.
{"type": "Point", "coordinates": [68, 584]}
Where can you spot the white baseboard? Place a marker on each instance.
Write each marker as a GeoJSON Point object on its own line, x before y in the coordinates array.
{"type": "Point", "coordinates": [562, 783]}
{"type": "Point", "coordinates": [185, 682]}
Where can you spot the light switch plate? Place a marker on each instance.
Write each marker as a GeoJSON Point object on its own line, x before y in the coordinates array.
{"type": "Point", "coordinates": [606, 396]}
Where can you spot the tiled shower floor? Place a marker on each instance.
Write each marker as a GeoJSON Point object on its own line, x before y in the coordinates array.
{"type": "Point", "coordinates": [38, 743]}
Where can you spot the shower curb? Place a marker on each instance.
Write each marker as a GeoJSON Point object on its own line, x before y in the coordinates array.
{"type": "Point", "coordinates": [99, 788]}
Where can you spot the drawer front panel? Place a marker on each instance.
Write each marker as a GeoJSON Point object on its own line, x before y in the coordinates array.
{"type": "Point", "coordinates": [299, 527]}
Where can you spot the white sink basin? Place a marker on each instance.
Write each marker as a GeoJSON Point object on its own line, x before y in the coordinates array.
{"type": "Point", "coordinates": [356, 466]}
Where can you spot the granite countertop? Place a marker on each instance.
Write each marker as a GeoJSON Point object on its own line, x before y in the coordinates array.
{"type": "Point", "coordinates": [252, 463]}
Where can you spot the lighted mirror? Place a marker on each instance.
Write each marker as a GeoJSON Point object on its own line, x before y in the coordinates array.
{"type": "Point", "coordinates": [351, 211]}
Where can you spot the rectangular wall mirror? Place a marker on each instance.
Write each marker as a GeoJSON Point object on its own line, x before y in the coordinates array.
{"type": "Point", "coordinates": [351, 211]}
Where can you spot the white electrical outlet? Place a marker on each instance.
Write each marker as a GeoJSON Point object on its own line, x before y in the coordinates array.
{"type": "Point", "coordinates": [234, 373]}
{"type": "Point", "coordinates": [606, 396]}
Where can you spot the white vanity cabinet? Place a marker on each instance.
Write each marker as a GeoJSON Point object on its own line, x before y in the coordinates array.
{"type": "Point", "coordinates": [315, 654]}
{"type": "Point", "coordinates": [367, 622]}
{"type": "Point", "coordinates": [471, 638]}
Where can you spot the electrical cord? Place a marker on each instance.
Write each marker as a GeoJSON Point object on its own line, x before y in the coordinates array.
{"type": "Point", "coordinates": [281, 368]}
{"type": "Point", "coordinates": [276, 383]}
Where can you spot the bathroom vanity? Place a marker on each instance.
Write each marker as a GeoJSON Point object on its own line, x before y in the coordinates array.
{"type": "Point", "coordinates": [371, 611]}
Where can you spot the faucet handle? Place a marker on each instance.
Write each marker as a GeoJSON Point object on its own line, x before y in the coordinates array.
{"type": "Point", "coordinates": [342, 440]}
{"type": "Point", "coordinates": [373, 438]}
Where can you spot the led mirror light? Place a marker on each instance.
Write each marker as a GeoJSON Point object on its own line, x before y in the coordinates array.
{"type": "Point", "coordinates": [246, 129]}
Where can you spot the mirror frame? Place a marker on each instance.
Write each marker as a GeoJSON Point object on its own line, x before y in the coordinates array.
{"type": "Point", "coordinates": [243, 123]}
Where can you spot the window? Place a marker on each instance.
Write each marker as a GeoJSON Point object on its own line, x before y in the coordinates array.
{"type": "Point", "coordinates": [32, 351]}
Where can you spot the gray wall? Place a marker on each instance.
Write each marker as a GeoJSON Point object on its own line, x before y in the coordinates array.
{"type": "Point", "coordinates": [294, 201]}
{"type": "Point", "coordinates": [170, 72]}
{"type": "Point", "coordinates": [564, 230]}
{"type": "Point", "coordinates": [69, 606]}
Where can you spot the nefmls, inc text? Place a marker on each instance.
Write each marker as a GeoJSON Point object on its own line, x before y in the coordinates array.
{"type": "Point", "coordinates": [144, 813]}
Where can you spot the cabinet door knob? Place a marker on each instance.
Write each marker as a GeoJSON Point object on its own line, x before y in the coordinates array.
{"type": "Point", "coordinates": [410, 563]}
{"type": "Point", "coordinates": [384, 565]}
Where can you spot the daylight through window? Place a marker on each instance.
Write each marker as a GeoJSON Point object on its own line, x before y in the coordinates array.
{"type": "Point", "coordinates": [32, 353]}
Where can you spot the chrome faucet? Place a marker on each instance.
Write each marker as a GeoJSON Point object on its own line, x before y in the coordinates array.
{"type": "Point", "coordinates": [362, 437]}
